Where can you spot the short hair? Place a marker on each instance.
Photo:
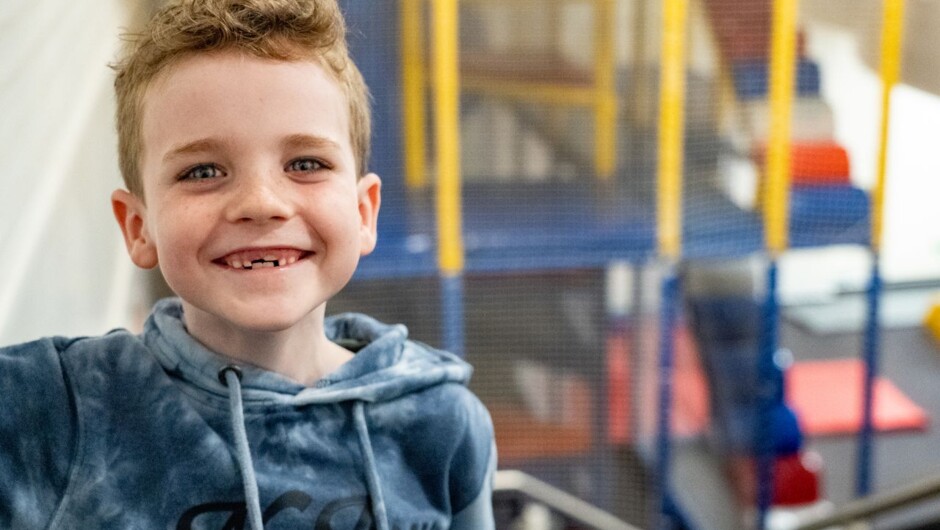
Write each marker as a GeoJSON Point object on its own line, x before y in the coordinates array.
{"type": "Point", "coordinates": [286, 30]}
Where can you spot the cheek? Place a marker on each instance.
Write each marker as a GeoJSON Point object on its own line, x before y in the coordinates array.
{"type": "Point", "coordinates": [173, 239]}
{"type": "Point", "coordinates": [176, 269]}
{"type": "Point", "coordinates": [336, 214]}
{"type": "Point", "coordinates": [177, 240]}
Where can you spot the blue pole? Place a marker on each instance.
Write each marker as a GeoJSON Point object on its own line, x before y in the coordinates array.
{"type": "Point", "coordinates": [667, 325]}
{"type": "Point", "coordinates": [769, 394]}
{"type": "Point", "coordinates": [452, 304]}
{"type": "Point", "coordinates": [871, 348]}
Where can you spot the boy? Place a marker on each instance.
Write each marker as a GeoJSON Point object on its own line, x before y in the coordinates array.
{"type": "Point", "coordinates": [244, 134]}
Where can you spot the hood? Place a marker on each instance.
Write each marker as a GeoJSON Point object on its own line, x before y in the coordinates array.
{"type": "Point", "coordinates": [386, 364]}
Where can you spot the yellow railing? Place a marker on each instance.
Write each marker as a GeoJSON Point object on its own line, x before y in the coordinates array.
{"type": "Point", "coordinates": [447, 123]}
{"type": "Point", "coordinates": [414, 91]}
{"type": "Point", "coordinates": [671, 129]}
{"type": "Point", "coordinates": [891, 32]}
{"type": "Point", "coordinates": [776, 201]}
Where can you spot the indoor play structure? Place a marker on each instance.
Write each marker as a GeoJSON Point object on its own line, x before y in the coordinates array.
{"type": "Point", "coordinates": [450, 96]}
{"type": "Point", "coordinates": [592, 200]}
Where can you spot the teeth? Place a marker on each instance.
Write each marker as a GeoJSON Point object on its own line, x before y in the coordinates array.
{"type": "Point", "coordinates": [241, 262]}
{"type": "Point", "coordinates": [257, 264]}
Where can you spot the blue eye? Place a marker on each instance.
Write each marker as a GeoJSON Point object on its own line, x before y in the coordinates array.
{"type": "Point", "coordinates": [201, 172]}
{"type": "Point", "coordinates": [305, 165]}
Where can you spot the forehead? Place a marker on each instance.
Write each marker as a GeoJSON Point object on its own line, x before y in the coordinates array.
{"type": "Point", "coordinates": [237, 97]}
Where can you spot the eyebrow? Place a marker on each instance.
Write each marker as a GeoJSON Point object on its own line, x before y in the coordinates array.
{"type": "Point", "coordinates": [197, 146]}
{"type": "Point", "coordinates": [296, 141]}
{"type": "Point", "coordinates": [309, 141]}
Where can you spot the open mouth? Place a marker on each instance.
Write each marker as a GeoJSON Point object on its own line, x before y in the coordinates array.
{"type": "Point", "coordinates": [262, 259]}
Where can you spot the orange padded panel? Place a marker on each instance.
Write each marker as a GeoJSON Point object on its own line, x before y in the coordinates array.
{"type": "Point", "coordinates": [827, 398]}
{"type": "Point", "coordinates": [824, 163]}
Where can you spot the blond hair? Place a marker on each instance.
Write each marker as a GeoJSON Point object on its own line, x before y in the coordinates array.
{"type": "Point", "coordinates": [285, 30]}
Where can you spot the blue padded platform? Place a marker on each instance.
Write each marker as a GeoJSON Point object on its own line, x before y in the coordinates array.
{"type": "Point", "coordinates": [521, 227]}
{"type": "Point", "coordinates": [835, 207]}
{"type": "Point", "coordinates": [751, 78]}
{"type": "Point", "coordinates": [551, 226]}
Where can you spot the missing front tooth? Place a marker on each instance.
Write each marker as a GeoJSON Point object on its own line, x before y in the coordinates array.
{"type": "Point", "coordinates": [260, 263]}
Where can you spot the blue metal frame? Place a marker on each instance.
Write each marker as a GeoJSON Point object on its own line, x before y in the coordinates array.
{"type": "Point", "coordinates": [770, 394]}
{"type": "Point", "coordinates": [871, 354]}
{"type": "Point", "coordinates": [667, 327]}
{"type": "Point", "coordinates": [452, 304]}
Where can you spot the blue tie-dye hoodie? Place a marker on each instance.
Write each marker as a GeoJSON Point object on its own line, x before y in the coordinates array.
{"type": "Point", "coordinates": [151, 431]}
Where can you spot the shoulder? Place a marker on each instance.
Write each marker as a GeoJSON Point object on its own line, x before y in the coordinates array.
{"type": "Point", "coordinates": [51, 349]}
{"type": "Point", "coordinates": [447, 409]}
{"type": "Point", "coordinates": [32, 366]}
{"type": "Point", "coordinates": [458, 405]}
{"type": "Point", "coordinates": [115, 351]}
{"type": "Point", "coordinates": [30, 374]}
{"type": "Point", "coordinates": [450, 400]}
{"type": "Point", "coordinates": [47, 368]}
{"type": "Point", "coordinates": [49, 374]}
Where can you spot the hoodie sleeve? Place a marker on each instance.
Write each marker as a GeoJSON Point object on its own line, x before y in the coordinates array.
{"type": "Point", "coordinates": [36, 434]}
{"type": "Point", "coordinates": [472, 472]}
{"type": "Point", "coordinates": [478, 515]}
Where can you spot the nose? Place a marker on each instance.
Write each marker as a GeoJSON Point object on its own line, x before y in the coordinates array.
{"type": "Point", "coordinates": [259, 198]}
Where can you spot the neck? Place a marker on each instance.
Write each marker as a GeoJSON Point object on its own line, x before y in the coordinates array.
{"type": "Point", "coordinates": [301, 353]}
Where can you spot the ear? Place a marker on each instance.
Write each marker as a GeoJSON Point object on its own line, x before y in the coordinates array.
{"type": "Point", "coordinates": [130, 213]}
{"type": "Point", "coordinates": [370, 198]}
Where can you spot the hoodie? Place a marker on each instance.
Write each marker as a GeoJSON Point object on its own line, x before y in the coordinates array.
{"type": "Point", "coordinates": [155, 431]}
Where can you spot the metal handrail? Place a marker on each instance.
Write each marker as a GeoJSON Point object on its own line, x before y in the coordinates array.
{"type": "Point", "coordinates": [877, 504]}
{"type": "Point", "coordinates": [510, 480]}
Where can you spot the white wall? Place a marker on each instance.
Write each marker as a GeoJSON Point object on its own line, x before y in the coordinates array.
{"type": "Point", "coordinates": [61, 259]}
{"type": "Point", "coordinates": [846, 48]}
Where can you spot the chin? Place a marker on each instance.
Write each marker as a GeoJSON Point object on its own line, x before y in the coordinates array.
{"type": "Point", "coordinates": [268, 321]}
{"type": "Point", "coordinates": [256, 314]}
{"type": "Point", "coordinates": [261, 318]}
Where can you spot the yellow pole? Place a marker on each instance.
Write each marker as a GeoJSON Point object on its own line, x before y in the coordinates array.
{"type": "Point", "coordinates": [891, 33]}
{"type": "Point", "coordinates": [782, 67]}
{"type": "Point", "coordinates": [671, 119]}
{"type": "Point", "coordinates": [414, 91]}
{"type": "Point", "coordinates": [605, 106]}
{"type": "Point", "coordinates": [447, 133]}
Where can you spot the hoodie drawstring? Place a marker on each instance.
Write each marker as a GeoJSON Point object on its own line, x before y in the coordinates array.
{"type": "Point", "coordinates": [372, 479]}
{"type": "Point", "coordinates": [231, 377]}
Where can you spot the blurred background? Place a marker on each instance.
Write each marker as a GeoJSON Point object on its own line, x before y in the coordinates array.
{"type": "Point", "coordinates": [525, 151]}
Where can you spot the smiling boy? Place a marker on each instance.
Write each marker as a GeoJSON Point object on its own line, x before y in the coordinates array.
{"type": "Point", "coordinates": [244, 138]}
{"type": "Point", "coordinates": [246, 160]}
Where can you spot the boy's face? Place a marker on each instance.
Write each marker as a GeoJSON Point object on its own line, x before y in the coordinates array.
{"type": "Point", "coordinates": [247, 162]}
